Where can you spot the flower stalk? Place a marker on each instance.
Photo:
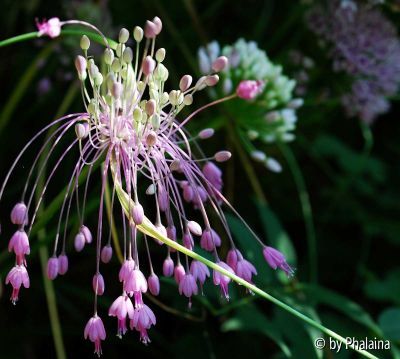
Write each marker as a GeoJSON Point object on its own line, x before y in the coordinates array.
{"type": "Point", "coordinates": [149, 229]}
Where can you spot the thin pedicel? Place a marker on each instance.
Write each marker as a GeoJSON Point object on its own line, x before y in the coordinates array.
{"type": "Point", "coordinates": [131, 128]}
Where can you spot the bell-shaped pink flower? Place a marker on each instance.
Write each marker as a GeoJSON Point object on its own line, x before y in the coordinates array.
{"type": "Point", "coordinates": [122, 308]}
{"type": "Point", "coordinates": [19, 243]}
{"type": "Point", "coordinates": [143, 319]}
{"type": "Point", "coordinates": [199, 271]}
{"type": "Point", "coordinates": [153, 284]}
{"type": "Point", "coordinates": [168, 267]}
{"type": "Point", "coordinates": [106, 253]}
{"type": "Point", "coordinates": [95, 331]}
{"type": "Point", "coordinates": [244, 269]}
{"type": "Point", "coordinates": [136, 282]}
{"type": "Point", "coordinates": [188, 287]}
{"type": "Point", "coordinates": [17, 276]}
{"type": "Point", "coordinates": [276, 259]}
{"type": "Point", "coordinates": [62, 264]}
{"type": "Point", "coordinates": [98, 284]}
{"type": "Point", "coordinates": [222, 280]}
{"type": "Point", "coordinates": [52, 268]}
{"type": "Point", "coordinates": [127, 267]}
{"type": "Point", "coordinates": [19, 214]}
{"type": "Point", "coordinates": [209, 240]}
{"type": "Point", "coordinates": [249, 89]}
{"type": "Point", "coordinates": [51, 27]}
{"type": "Point", "coordinates": [179, 272]}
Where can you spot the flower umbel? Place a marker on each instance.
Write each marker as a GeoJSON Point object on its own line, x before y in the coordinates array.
{"type": "Point", "coordinates": [131, 133]}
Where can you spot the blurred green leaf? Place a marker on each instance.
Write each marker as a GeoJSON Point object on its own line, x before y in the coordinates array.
{"type": "Point", "coordinates": [389, 321]}
{"type": "Point", "coordinates": [249, 318]}
{"type": "Point", "coordinates": [342, 304]}
{"type": "Point", "coordinates": [387, 289]}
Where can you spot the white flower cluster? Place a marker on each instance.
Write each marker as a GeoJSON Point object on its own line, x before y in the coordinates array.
{"type": "Point", "coordinates": [271, 117]}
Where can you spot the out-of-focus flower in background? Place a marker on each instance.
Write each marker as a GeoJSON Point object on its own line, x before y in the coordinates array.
{"type": "Point", "coordinates": [271, 116]}
{"type": "Point", "coordinates": [365, 46]}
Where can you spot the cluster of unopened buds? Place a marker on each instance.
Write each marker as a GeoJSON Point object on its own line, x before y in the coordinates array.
{"type": "Point", "coordinates": [130, 127]}
{"type": "Point", "coordinates": [271, 115]}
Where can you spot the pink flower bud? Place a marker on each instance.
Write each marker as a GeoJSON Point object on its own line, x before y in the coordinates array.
{"type": "Point", "coordinates": [52, 268]}
{"type": "Point", "coordinates": [148, 65]}
{"type": "Point", "coordinates": [87, 234]}
{"type": "Point", "coordinates": [219, 64]}
{"type": "Point", "coordinates": [106, 253]}
{"type": "Point", "coordinates": [154, 284]}
{"type": "Point", "coordinates": [150, 30]}
{"type": "Point", "coordinates": [179, 272]}
{"type": "Point", "coordinates": [151, 138]}
{"type": "Point", "coordinates": [19, 214]}
{"type": "Point", "coordinates": [168, 267]}
{"type": "Point", "coordinates": [117, 89]}
{"type": "Point", "coordinates": [81, 65]}
{"type": "Point", "coordinates": [195, 228]}
{"type": "Point", "coordinates": [51, 28]}
{"type": "Point", "coordinates": [62, 264]}
{"type": "Point", "coordinates": [98, 284]}
{"type": "Point", "coordinates": [249, 89]}
{"type": "Point", "coordinates": [150, 107]}
{"type": "Point", "coordinates": [185, 82]}
{"type": "Point", "coordinates": [79, 242]}
{"type": "Point", "coordinates": [137, 213]}
{"type": "Point", "coordinates": [212, 80]}
{"type": "Point", "coordinates": [157, 21]}
{"type": "Point", "coordinates": [222, 156]}
{"type": "Point", "coordinates": [206, 133]}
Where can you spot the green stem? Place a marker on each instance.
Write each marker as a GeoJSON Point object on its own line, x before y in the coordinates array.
{"type": "Point", "coordinates": [251, 174]}
{"type": "Point", "coordinates": [305, 207]}
{"type": "Point", "coordinates": [148, 228]}
{"type": "Point", "coordinates": [358, 171]}
{"type": "Point", "coordinates": [74, 32]}
{"type": "Point", "coordinates": [21, 87]}
{"type": "Point", "coordinates": [43, 252]}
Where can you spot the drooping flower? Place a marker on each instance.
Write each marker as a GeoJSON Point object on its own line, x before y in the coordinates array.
{"type": "Point", "coordinates": [363, 44]}
{"type": "Point", "coordinates": [133, 127]}
{"type": "Point", "coordinates": [95, 331]}
{"type": "Point", "coordinates": [122, 308]}
{"type": "Point", "coordinates": [276, 259]}
{"type": "Point", "coordinates": [17, 276]}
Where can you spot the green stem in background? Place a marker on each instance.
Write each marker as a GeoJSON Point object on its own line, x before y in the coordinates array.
{"type": "Point", "coordinates": [21, 87]}
{"type": "Point", "coordinates": [357, 172]}
{"type": "Point", "coordinates": [251, 174]}
{"type": "Point", "coordinates": [114, 233]}
{"type": "Point", "coordinates": [74, 32]}
{"type": "Point", "coordinates": [148, 228]}
{"type": "Point", "coordinates": [176, 34]}
{"type": "Point", "coordinates": [43, 251]}
{"type": "Point", "coordinates": [305, 207]}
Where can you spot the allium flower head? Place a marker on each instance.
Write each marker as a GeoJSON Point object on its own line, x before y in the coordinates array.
{"type": "Point", "coordinates": [268, 114]}
{"type": "Point", "coordinates": [131, 134]}
{"type": "Point", "coordinates": [364, 44]}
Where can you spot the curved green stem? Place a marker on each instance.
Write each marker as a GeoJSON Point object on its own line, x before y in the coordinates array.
{"type": "Point", "coordinates": [305, 207]}
{"type": "Point", "coordinates": [74, 32]}
{"type": "Point", "coordinates": [149, 229]}
{"type": "Point", "coordinates": [43, 252]}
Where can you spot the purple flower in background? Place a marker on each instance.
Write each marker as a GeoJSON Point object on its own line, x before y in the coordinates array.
{"type": "Point", "coordinates": [364, 44]}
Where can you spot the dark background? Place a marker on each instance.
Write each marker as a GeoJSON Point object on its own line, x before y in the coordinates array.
{"type": "Point", "coordinates": [357, 230]}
